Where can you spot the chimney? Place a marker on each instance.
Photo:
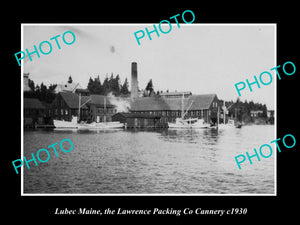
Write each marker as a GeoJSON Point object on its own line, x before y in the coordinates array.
{"type": "Point", "coordinates": [134, 81]}
{"type": "Point", "coordinates": [26, 82]}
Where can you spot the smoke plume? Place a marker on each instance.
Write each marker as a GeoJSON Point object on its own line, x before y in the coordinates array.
{"type": "Point", "coordinates": [122, 104]}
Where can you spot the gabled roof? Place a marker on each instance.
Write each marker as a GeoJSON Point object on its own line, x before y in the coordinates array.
{"type": "Point", "coordinates": [200, 102]}
{"type": "Point", "coordinates": [33, 103]}
{"type": "Point", "coordinates": [98, 100]}
{"type": "Point", "coordinates": [82, 90]}
{"type": "Point", "coordinates": [67, 87]}
{"type": "Point", "coordinates": [137, 115]}
{"type": "Point", "coordinates": [175, 93]}
{"type": "Point", "coordinates": [149, 104]}
{"type": "Point", "coordinates": [72, 100]}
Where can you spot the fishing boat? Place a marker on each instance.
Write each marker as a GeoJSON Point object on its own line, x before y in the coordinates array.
{"type": "Point", "coordinates": [228, 125]}
{"type": "Point", "coordinates": [70, 125]}
{"type": "Point", "coordinates": [61, 124]}
{"type": "Point", "coordinates": [194, 123]}
{"type": "Point", "coordinates": [101, 125]}
{"type": "Point", "coordinates": [189, 123]}
{"type": "Point", "coordinates": [232, 123]}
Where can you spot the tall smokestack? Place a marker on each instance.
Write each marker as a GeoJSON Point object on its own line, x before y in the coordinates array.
{"type": "Point", "coordinates": [134, 81]}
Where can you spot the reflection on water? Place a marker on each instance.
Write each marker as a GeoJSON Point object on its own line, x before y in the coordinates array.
{"type": "Point", "coordinates": [151, 161]}
{"type": "Point", "coordinates": [189, 135]}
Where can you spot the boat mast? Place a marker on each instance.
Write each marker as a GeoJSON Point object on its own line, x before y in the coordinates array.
{"type": "Point", "coordinates": [79, 107]}
{"type": "Point", "coordinates": [218, 115]}
{"type": "Point", "coordinates": [188, 108]}
{"type": "Point", "coordinates": [182, 116]}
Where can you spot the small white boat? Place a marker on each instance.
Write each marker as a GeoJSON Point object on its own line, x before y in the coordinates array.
{"type": "Point", "coordinates": [231, 124]}
{"type": "Point", "coordinates": [228, 125]}
{"type": "Point", "coordinates": [61, 124]}
{"type": "Point", "coordinates": [105, 125]}
{"type": "Point", "coordinates": [194, 123]}
{"type": "Point", "coordinates": [189, 123]}
{"type": "Point", "coordinates": [101, 125]}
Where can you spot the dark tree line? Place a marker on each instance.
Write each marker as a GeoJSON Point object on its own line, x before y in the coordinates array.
{"type": "Point", "coordinates": [242, 109]}
{"type": "Point", "coordinates": [109, 85]}
{"type": "Point", "coordinates": [41, 92]}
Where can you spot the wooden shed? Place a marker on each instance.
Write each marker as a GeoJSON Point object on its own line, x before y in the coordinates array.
{"type": "Point", "coordinates": [139, 120]}
{"type": "Point", "coordinates": [34, 112]}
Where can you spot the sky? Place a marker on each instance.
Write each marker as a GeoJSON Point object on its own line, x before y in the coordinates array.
{"type": "Point", "coordinates": [201, 58]}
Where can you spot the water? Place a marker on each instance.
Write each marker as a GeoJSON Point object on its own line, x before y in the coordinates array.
{"type": "Point", "coordinates": [150, 162]}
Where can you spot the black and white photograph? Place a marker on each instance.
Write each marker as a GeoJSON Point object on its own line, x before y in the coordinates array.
{"type": "Point", "coordinates": [131, 109]}
{"type": "Point", "coordinates": [150, 112]}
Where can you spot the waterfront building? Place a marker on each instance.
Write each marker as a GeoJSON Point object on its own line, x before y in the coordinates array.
{"type": "Point", "coordinates": [139, 120]}
{"type": "Point", "coordinates": [34, 112]}
{"type": "Point", "coordinates": [171, 105]}
{"type": "Point", "coordinates": [175, 94]}
{"type": "Point", "coordinates": [66, 105]}
{"type": "Point", "coordinates": [256, 113]}
{"type": "Point", "coordinates": [100, 108]}
{"type": "Point", "coordinates": [82, 92]}
{"type": "Point", "coordinates": [93, 108]}
{"type": "Point", "coordinates": [169, 108]}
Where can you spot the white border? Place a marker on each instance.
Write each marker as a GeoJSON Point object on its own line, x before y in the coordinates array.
{"type": "Point", "coordinates": [143, 24]}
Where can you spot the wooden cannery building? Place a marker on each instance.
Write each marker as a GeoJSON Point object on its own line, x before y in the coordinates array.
{"type": "Point", "coordinates": [65, 106]}
{"type": "Point", "coordinates": [34, 112]}
{"type": "Point", "coordinates": [93, 108]}
{"type": "Point", "coordinates": [100, 108]}
{"type": "Point", "coordinates": [138, 120]}
{"type": "Point", "coordinates": [170, 106]}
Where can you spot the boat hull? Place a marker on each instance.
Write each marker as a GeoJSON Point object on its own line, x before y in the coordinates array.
{"type": "Point", "coordinates": [99, 126]}
{"type": "Point", "coordinates": [189, 124]}
{"type": "Point", "coordinates": [94, 126]}
{"type": "Point", "coordinates": [65, 124]}
{"type": "Point", "coordinates": [172, 125]}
